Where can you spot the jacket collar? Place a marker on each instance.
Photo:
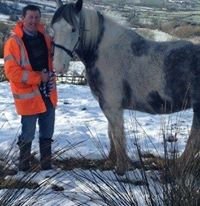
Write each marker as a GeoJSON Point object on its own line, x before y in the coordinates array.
{"type": "Point", "coordinates": [18, 29]}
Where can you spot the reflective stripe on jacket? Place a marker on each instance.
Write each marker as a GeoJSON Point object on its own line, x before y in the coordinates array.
{"type": "Point", "coordinates": [23, 80]}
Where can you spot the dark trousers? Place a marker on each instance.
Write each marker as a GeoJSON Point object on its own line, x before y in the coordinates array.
{"type": "Point", "coordinates": [46, 122]}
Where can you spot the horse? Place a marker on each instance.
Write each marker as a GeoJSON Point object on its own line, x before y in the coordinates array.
{"type": "Point", "coordinates": [126, 71]}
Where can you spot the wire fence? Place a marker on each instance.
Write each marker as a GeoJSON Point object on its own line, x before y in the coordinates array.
{"type": "Point", "coordinates": [2, 75]}
{"type": "Point", "coordinates": [64, 78]}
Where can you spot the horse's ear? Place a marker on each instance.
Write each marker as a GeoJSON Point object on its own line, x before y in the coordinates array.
{"type": "Point", "coordinates": [59, 3]}
{"type": "Point", "coordinates": [79, 5]}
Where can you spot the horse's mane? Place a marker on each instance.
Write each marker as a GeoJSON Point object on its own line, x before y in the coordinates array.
{"type": "Point", "coordinates": [90, 23]}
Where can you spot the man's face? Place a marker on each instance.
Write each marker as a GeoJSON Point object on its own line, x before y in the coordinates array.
{"type": "Point", "coordinates": [31, 20]}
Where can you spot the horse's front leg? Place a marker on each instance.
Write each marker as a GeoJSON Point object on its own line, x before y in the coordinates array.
{"type": "Point", "coordinates": [111, 161]}
{"type": "Point", "coordinates": [117, 139]}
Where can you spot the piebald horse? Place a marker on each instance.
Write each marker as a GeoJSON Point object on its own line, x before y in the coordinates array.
{"type": "Point", "coordinates": [126, 71]}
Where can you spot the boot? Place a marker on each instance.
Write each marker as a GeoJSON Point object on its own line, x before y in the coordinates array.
{"type": "Point", "coordinates": [45, 154]}
{"type": "Point", "coordinates": [24, 155]}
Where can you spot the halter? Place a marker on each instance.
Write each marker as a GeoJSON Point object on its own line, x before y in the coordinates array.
{"type": "Point", "coordinates": [69, 52]}
{"type": "Point", "coordinates": [81, 45]}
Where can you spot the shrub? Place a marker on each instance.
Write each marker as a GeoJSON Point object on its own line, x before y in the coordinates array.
{"type": "Point", "coordinates": [4, 31]}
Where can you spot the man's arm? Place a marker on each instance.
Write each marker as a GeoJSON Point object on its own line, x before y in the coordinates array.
{"type": "Point", "coordinates": [13, 69]}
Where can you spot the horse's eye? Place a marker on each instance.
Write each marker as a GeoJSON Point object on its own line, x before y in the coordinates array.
{"type": "Point", "coordinates": [73, 29]}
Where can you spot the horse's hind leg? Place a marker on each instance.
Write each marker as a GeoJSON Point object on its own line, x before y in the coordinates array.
{"type": "Point", "coordinates": [191, 154]}
{"type": "Point", "coordinates": [189, 161]}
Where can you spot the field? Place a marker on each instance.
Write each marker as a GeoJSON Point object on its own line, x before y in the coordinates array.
{"type": "Point", "coordinates": [81, 143]}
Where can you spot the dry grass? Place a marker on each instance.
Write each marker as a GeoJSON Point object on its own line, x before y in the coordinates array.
{"type": "Point", "coordinates": [186, 31]}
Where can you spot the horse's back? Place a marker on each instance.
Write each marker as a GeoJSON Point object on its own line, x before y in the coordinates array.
{"type": "Point", "coordinates": [152, 76]}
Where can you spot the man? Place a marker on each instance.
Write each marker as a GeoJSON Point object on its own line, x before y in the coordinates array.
{"type": "Point", "coordinates": [28, 67]}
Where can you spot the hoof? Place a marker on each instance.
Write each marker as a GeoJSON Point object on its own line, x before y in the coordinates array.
{"type": "Point", "coordinates": [125, 165]}
{"type": "Point", "coordinates": [122, 167]}
{"type": "Point", "coordinates": [120, 170]}
{"type": "Point", "coordinates": [109, 164]}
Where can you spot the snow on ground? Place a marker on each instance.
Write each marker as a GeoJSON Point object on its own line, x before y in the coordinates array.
{"type": "Point", "coordinates": [155, 35]}
{"type": "Point", "coordinates": [4, 17]}
{"type": "Point", "coordinates": [81, 130]}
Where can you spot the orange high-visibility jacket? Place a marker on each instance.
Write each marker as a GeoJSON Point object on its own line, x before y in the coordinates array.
{"type": "Point", "coordinates": [23, 80]}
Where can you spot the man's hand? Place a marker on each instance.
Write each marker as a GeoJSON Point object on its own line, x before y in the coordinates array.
{"type": "Point", "coordinates": [45, 75]}
{"type": "Point", "coordinates": [52, 81]}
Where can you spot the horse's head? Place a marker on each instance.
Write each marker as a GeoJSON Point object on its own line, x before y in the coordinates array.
{"type": "Point", "coordinates": [65, 25]}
